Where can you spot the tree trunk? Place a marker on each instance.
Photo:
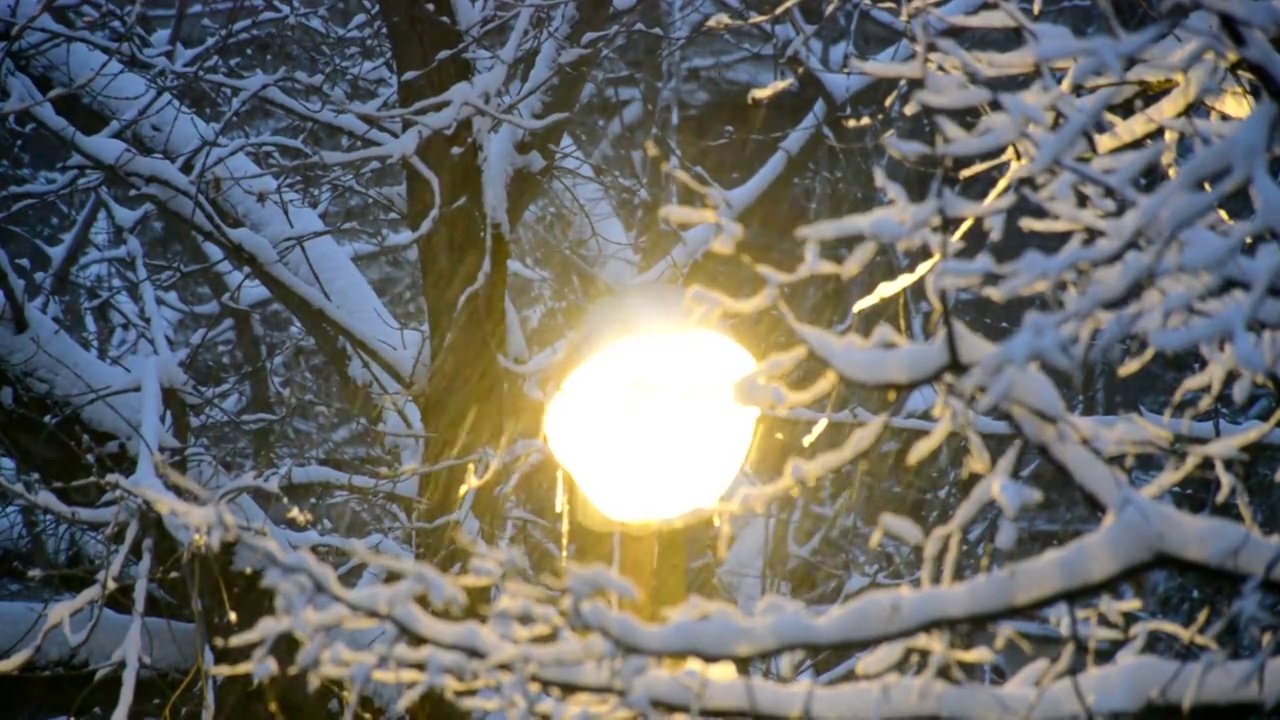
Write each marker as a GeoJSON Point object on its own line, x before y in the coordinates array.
{"type": "Point", "coordinates": [464, 395]}
{"type": "Point", "coordinates": [463, 256]}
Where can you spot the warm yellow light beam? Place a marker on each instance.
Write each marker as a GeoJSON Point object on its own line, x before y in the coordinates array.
{"type": "Point", "coordinates": [648, 426]}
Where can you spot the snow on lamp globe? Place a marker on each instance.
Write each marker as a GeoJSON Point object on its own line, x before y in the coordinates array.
{"type": "Point", "coordinates": [646, 422]}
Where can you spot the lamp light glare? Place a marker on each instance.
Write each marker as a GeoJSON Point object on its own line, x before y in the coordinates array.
{"type": "Point", "coordinates": [649, 427]}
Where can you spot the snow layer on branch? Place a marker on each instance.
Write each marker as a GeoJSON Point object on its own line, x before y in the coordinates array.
{"type": "Point", "coordinates": [168, 128]}
{"type": "Point", "coordinates": [885, 613]}
{"type": "Point", "coordinates": [613, 252]}
{"type": "Point", "coordinates": [51, 362]}
{"type": "Point", "coordinates": [1120, 689]}
{"type": "Point", "coordinates": [273, 226]}
{"type": "Point", "coordinates": [326, 476]}
{"type": "Point", "coordinates": [844, 86]}
{"type": "Point", "coordinates": [695, 241]}
{"type": "Point", "coordinates": [166, 645]}
{"type": "Point", "coordinates": [1136, 531]}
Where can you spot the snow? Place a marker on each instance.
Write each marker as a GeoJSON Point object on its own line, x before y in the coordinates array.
{"type": "Point", "coordinates": [888, 225]}
{"type": "Point", "coordinates": [299, 475]}
{"type": "Point", "coordinates": [175, 131]}
{"type": "Point", "coordinates": [1193, 87]}
{"type": "Point", "coordinates": [52, 361]}
{"type": "Point", "coordinates": [1124, 688]}
{"type": "Point", "coordinates": [131, 649]}
{"type": "Point", "coordinates": [1138, 530]}
{"type": "Point", "coordinates": [165, 645]}
{"type": "Point", "coordinates": [950, 92]}
{"type": "Point", "coordinates": [741, 568]}
{"type": "Point", "coordinates": [899, 527]}
{"type": "Point", "coordinates": [612, 252]}
{"type": "Point", "coordinates": [902, 366]}
{"type": "Point", "coordinates": [284, 235]}
{"type": "Point", "coordinates": [1153, 265]}
{"type": "Point", "coordinates": [695, 241]}
{"type": "Point", "coordinates": [1125, 542]}
{"type": "Point", "coordinates": [497, 166]}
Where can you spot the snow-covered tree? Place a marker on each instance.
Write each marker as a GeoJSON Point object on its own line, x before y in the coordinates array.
{"type": "Point", "coordinates": [284, 285]}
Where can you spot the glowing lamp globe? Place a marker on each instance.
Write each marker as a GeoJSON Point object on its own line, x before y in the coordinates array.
{"type": "Point", "coordinates": [648, 425]}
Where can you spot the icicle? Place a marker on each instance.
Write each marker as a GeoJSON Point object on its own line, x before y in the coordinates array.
{"type": "Point", "coordinates": [562, 507]}
{"type": "Point", "coordinates": [615, 563]}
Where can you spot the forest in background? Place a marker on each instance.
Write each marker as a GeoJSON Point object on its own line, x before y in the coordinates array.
{"type": "Point", "coordinates": [283, 286]}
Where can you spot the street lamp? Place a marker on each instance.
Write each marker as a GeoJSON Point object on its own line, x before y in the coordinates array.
{"type": "Point", "coordinates": [647, 423]}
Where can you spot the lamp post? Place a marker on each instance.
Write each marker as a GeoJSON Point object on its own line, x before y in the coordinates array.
{"type": "Point", "coordinates": [647, 424]}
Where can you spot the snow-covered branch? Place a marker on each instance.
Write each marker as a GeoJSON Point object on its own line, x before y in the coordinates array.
{"type": "Point", "coordinates": [92, 637]}
{"type": "Point", "coordinates": [1127, 687]}
{"type": "Point", "coordinates": [1017, 307]}
{"type": "Point", "coordinates": [284, 240]}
